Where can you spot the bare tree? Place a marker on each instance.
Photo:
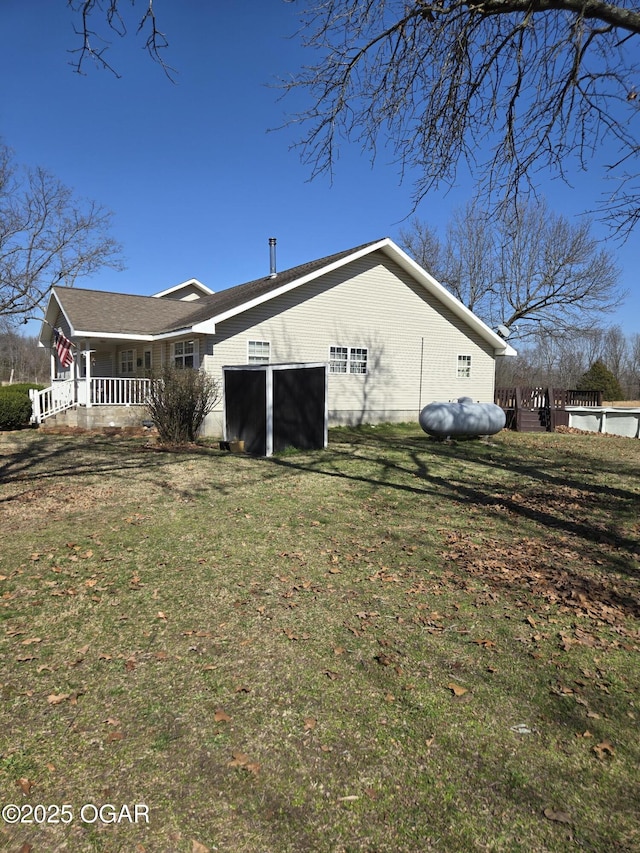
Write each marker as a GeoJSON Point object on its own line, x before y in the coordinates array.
{"type": "Point", "coordinates": [615, 351]}
{"type": "Point", "coordinates": [98, 21]}
{"type": "Point", "coordinates": [633, 377]}
{"type": "Point", "coordinates": [539, 84]}
{"type": "Point", "coordinates": [21, 360]}
{"type": "Point", "coordinates": [47, 237]}
{"type": "Point", "coordinates": [562, 361]}
{"type": "Point", "coordinates": [529, 268]}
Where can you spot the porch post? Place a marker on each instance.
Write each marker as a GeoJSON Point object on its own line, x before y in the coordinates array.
{"type": "Point", "coordinates": [87, 376]}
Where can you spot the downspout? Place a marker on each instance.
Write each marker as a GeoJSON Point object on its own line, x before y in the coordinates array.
{"type": "Point", "coordinates": [421, 369]}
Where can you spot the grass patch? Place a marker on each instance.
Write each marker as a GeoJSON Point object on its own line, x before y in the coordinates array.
{"type": "Point", "coordinates": [395, 644]}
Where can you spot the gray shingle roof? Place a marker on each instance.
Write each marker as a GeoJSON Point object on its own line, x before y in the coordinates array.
{"type": "Point", "coordinates": [118, 313]}
{"type": "Point", "coordinates": [99, 311]}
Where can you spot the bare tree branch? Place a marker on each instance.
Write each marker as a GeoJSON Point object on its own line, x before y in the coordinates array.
{"type": "Point", "coordinates": [95, 46]}
{"type": "Point", "coordinates": [529, 269]}
{"type": "Point", "coordinates": [538, 84]}
{"type": "Point", "coordinates": [47, 237]}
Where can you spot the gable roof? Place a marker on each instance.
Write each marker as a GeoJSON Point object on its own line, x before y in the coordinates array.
{"type": "Point", "coordinates": [100, 313]}
{"type": "Point", "coordinates": [92, 313]}
{"type": "Point", "coordinates": [191, 284]}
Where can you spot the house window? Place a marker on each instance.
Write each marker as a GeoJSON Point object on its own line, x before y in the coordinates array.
{"type": "Point", "coordinates": [184, 354]}
{"type": "Point", "coordinates": [338, 359]}
{"type": "Point", "coordinates": [357, 360]}
{"type": "Point", "coordinates": [258, 352]}
{"type": "Point", "coordinates": [464, 367]}
{"type": "Point", "coordinates": [127, 360]}
{"type": "Point", "coordinates": [348, 360]}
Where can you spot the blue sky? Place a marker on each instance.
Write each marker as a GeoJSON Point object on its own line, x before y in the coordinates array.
{"type": "Point", "coordinates": [195, 180]}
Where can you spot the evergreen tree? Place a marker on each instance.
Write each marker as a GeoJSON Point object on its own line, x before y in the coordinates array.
{"type": "Point", "coordinates": [600, 378]}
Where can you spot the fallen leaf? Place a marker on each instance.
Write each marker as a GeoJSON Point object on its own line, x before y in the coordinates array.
{"type": "Point", "coordinates": [114, 736]}
{"type": "Point", "coordinates": [196, 847]}
{"type": "Point", "coordinates": [221, 717]}
{"type": "Point", "coordinates": [603, 749]}
{"type": "Point", "coordinates": [488, 644]}
{"type": "Point", "coordinates": [558, 817]}
{"type": "Point", "coordinates": [456, 689]}
{"type": "Point", "coordinates": [161, 615]}
{"type": "Point", "coordinates": [57, 698]}
{"type": "Point", "coordinates": [25, 785]}
{"type": "Point", "coordinates": [309, 724]}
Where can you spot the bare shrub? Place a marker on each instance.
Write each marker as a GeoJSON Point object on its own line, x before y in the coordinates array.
{"type": "Point", "coordinates": [179, 401]}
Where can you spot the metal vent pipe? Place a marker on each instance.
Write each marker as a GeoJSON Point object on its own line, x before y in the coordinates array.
{"type": "Point", "coordinates": [273, 272]}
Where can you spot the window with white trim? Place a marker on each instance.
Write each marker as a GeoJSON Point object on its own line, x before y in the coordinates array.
{"type": "Point", "coordinates": [348, 360]}
{"type": "Point", "coordinates": [258, 352]}
{"type": "Point", "coordinates": [127, 360]}
{"type": "Point", "coordinates": [338, 359]}
{"type": "Point", "coordinates": [358, 360]}
{"type": "Point", "coordinates": [464, 367]}
{"type": "Point", "coordinates": [185, 354]}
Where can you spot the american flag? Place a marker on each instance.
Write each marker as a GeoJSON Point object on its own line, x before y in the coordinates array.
{"type": "Point", "coordinates": [63, 348]}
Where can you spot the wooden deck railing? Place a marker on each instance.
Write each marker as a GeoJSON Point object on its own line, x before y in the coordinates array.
{"type": "Point", "coordinates": [529, 408]}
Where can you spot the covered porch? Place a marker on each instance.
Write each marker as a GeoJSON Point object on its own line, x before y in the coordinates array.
{"type": "Point", "coordinates": [104, 393]}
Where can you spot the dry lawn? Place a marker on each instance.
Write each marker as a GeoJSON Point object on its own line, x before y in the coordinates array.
{"type": "Point", "coordinates": [393, 645]}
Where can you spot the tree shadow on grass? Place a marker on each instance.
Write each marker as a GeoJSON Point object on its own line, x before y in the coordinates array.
{"type": "Point", "coordinates": [412, 465]}
{"type": "Point", "coordinates": [41, 459]}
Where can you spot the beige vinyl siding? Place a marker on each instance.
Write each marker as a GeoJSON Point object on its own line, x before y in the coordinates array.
{"type": "Point", "coordinates": [370, 303]}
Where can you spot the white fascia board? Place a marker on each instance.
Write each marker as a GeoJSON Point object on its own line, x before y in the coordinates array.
{"type": "Point", "coordinates": [46, 331]}
{"type": "Point", "coordinates": [206, 327]}
{"type": "Point", "coordinates": [117, 336]}
{"type": "Point", "coordinates": [177, 333]}
{"type": "Point", "coordinates": [203, 287]}
{"type": "Point", "coordinates": [500, 346]}
{"type": "Point", "coordinates": [298, 282]}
